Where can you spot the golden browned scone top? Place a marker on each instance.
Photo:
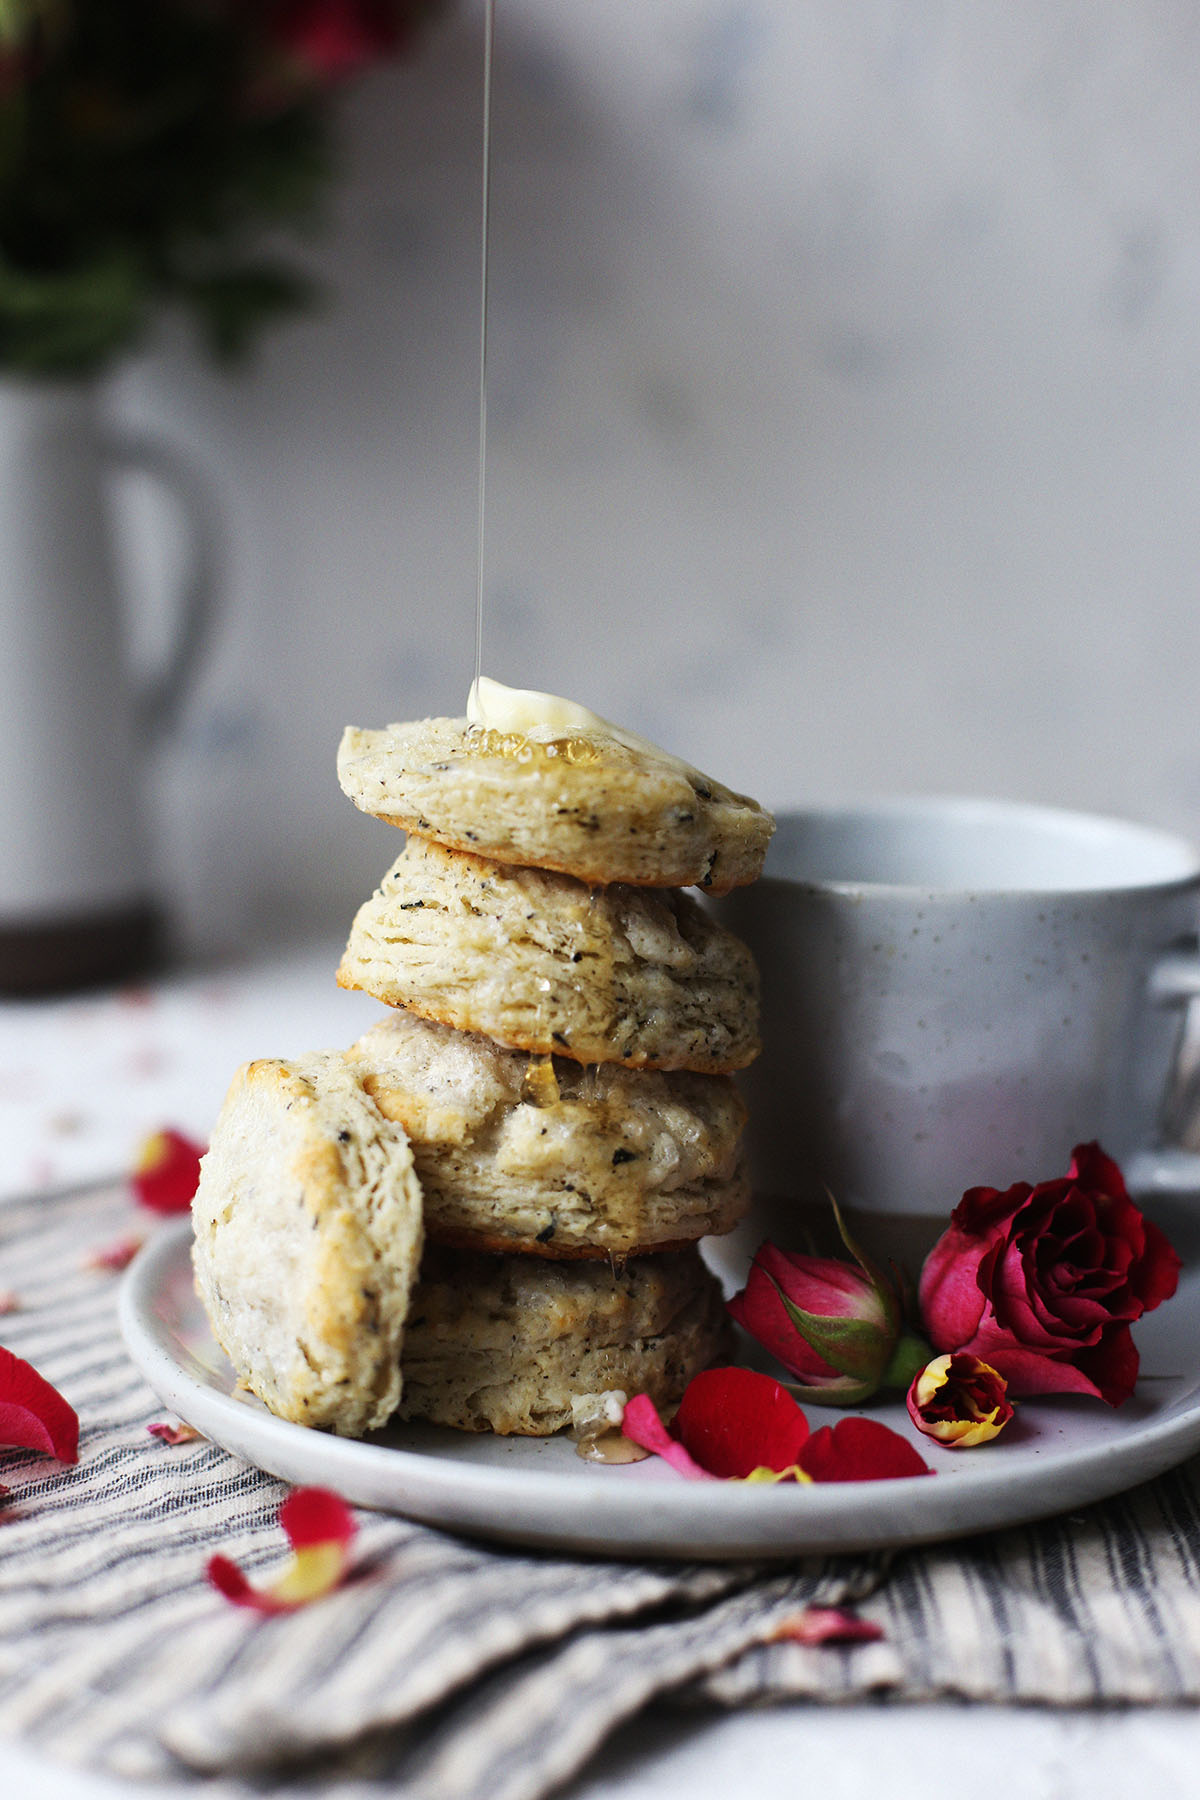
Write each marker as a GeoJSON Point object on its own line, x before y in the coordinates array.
{"type": "Point", "coordinates": [585, 805]}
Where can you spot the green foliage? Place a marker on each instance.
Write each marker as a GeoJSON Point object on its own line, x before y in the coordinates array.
{"type": "Point", "coordinates": [71, 321]}
{"type": "Point", "coordinates": [146, 146]}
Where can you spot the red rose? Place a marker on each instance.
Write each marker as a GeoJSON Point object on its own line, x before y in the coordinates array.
{"type": "Point", "coordinates": [1043, 1282]}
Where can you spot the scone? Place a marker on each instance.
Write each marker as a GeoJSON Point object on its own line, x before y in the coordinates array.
{"type": "Point", "coordinates": [584, 804]}
{"type": "Point", "coordinates": [307, 1241]}
{"type": "Point", "coordinates": [540, 962]}
{"type": "Point", "coordinates": [541, 1155]}
{"type": "Point", "coordinates": [502, 1343]}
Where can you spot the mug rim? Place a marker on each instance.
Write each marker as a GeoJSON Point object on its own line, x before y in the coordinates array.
{"type": "Point", "coordinates": [956, 809]}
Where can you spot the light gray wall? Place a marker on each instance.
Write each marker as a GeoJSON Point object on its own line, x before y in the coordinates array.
{"type": "Point", "coordinates": [844, 405]}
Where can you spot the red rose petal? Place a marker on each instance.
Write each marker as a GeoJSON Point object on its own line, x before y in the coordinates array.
{"type": "Point", "coordinates": [858, 1449]}
{"type": "Point", "coordinates": [167, 1171]}
{"type": "Point", "coordinates": [1093, 1169]}
{"type": "Point", "coordinates": [1158, 1276]}
{"type": "Point", "coordinates": [1112, 1365]}
{"type": "Point", "coordinates": [1027, 1372]}
{"type": "Point", "coordinates": [34, 1415]}
{"type": "Point", "coordinates": [313, 1515]}
{"type": "Point", "coordinates": [1024, 1316]}
{"type": "Point", "coordinates": [736, 1422]}
{"type": "Point", "coordinates": [229, 1580]}
{"type": "Point", "coordinates": [334, 38]}
{"type": "Point", "coordinates": [733, 1421]}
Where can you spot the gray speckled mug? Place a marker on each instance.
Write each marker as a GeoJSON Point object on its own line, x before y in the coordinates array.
{"type": "Point", "coordinates": [956, 992]}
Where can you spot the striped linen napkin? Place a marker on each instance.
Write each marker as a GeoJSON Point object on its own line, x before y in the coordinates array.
{"type": "Point", "coordinates": [445, 1667]}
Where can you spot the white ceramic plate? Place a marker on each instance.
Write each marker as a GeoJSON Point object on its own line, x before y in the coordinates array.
{"type": "Point", "coordinates": [1056, 1455]}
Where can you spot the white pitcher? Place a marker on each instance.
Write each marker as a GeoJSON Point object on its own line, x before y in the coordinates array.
{"type": "Point", "coordinates": [76, 902]}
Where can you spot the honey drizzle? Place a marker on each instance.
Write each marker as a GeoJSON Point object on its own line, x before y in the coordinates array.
{"type": "Point", "coordinates": [605, 1443]}
{"type": "Point", "coordinates": [484, 740]}
{"type": "Point", "coordinates": [489, 33]}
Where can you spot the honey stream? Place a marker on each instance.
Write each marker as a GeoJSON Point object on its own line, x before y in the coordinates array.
{"type": "Point", "coordinates": [489, 35]}
{"type": "Point", "coordinates": [604, 1443]}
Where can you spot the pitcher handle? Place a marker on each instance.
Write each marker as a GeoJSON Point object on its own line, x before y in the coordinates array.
{"type": "Point", "coordinates": [162, 696]}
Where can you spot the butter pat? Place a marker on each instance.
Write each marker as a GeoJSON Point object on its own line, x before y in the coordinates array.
{"type": "Point", "coordinates": [543, 718]}
{"type": "Point", "coordinates": [592, 1414]}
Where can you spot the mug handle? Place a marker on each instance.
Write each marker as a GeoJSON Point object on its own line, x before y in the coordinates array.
{"type": "Point", "coordinates": [161, 698]}
{"type": "Point", "coordinates": [1169, 1168]}
{"type": "Point", "coordinates": [1176, 976]}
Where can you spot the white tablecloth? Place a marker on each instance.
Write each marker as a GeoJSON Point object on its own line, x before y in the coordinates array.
{"type": "Point", "coordinates": [83, 1080]}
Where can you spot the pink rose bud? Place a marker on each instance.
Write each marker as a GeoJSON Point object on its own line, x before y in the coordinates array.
{"type": "Point", "coordinates": [959, 1401]}
{"type": "Point", "coordinates": [836, 1326]}
{"type": "Point", "coordinates": [825, 1321]}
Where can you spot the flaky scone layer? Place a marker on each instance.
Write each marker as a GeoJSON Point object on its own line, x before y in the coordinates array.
{"type": "Point", "coordinates": [550, 1157]}
{"type": "Point", "coordinates": [504, 1343]}
{"type": "Point", "coordinates": [540, 962]}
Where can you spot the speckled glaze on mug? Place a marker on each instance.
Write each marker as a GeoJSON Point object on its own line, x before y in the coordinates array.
{"type": "Point", "coordinates": [955, 992]}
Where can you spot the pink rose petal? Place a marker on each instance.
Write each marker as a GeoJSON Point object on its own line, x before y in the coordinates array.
{"type": "Point", "coordinates": [642, 1426]}
{"type": "Point", "coordinates": [173, 1434]}
{"type": "Point", "coordinates": [115, 1256]}
{"type": "Point", "coordinates": [827, 1625]}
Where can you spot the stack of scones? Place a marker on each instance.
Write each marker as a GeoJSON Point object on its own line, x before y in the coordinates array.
{"type": "Point", "coordinates": [488, 1208]}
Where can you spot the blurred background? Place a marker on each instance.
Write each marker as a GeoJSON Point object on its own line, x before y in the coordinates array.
{"type": "Point", "coordinates": [843, 423]}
